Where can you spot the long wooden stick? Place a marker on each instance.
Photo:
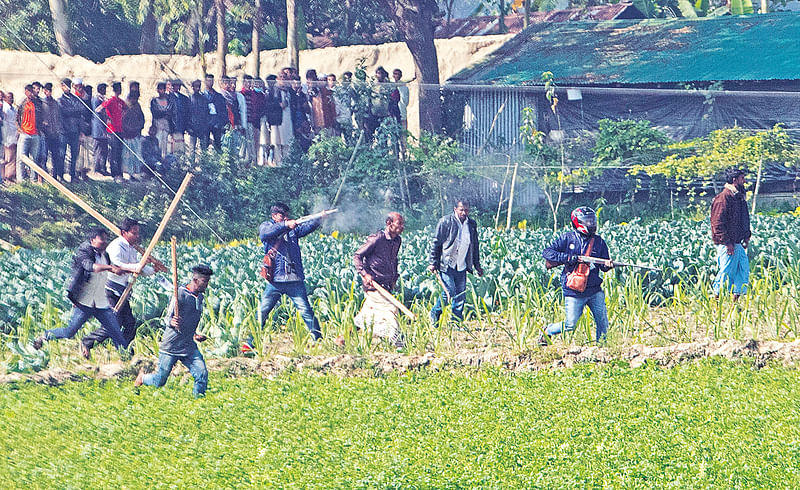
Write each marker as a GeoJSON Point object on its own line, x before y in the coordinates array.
{"type": "Point", "coordinates": [388, 296]}
{"type": "Point", "coordinates": [153, 241]}
{"type": "Point", "coordinates": [444, 286]}
{"type": "Point", "coordinates": [71, 195]}
{"type": "Point", "coordinates": [174, 241]}
{"type": "Point", "coordinates": [75, 198]}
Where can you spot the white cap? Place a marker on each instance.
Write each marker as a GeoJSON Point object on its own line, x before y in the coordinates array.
{"type": "Point", "coordinates": [77, 81]}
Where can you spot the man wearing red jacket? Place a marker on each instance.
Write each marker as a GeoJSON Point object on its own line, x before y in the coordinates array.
{"type": "Point", "coordinates": [730, 231]}
{"type": "Point", "coordinates": [115, 108]}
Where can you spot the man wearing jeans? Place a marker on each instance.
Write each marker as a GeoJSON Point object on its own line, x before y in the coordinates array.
{"type": "Point", "coordinates": [29, 125]}
{"type": "Point", "coordinates": [178, 342]}
{"type": "Point", "coordinates": [454, 253]}
{"type": "Point", "coordinates": [288, 277]}
{"type": "Point", "coordinates": [566, 251]}
{"type": "Point", "coordinates": [730, 230]}
{"type": "Point", "coordinates": [87, 291]}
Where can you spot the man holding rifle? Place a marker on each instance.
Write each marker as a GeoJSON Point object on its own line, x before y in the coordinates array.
{"type": "Point", "coordinates": [580, 281]}
{"type": "Point", "coordinates": [122, 252]}
{"type": "Point", "coordinates": [376, 263]}
{"type": "Point", "coordinates": [454, 253]}
{"type": "Point", "coordinates": [280, 236]}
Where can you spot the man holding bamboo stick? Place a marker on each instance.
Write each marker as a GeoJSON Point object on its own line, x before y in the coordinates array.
{"type": "Point", "coordinates": [122, 252]}
{"type": "Point", "coordinates": [179, 342]}
{"type": "Point", "coordinates": [376, 263]}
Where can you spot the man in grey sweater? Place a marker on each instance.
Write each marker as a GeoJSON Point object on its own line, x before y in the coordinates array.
{"type": "Point", "coordinates": [178, 342]}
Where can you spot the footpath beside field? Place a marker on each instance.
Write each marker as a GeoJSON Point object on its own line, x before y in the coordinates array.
{"type": "Point", "coordinates": [384, 363]}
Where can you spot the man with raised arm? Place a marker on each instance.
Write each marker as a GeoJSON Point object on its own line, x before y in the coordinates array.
{"type": "Point", "coordinates": [376, 263]}
{"type": "Point", "coordinates": [178, 343]}
{"type": "Point", "coordinates": [283, 234]}
{"type": "Point", "coordinates": [122, 253]}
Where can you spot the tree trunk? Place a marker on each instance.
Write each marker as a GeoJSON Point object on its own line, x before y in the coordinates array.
{"type": "Point", "coordinates": [414, 20]}
{"type": "Point", "coordinates": [222, 38]}
{"type": "Point", "coordinates": [501, 19]}
{"type": "Point", "coordinates": [527, 18]}
{"type": "Point", "coordinates": [255, 51]}
{"type": "Point", "coordinates": [147, 41]}
{"type": "Point", "coordinates": [291, 35]}
{"type": "Point", "coordinates": [58, 9]}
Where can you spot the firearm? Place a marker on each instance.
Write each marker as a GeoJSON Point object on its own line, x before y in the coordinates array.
{"type": "Point", "coordinates": [596, 260]}
{"type": "Point", "coordinates": [321, 214]}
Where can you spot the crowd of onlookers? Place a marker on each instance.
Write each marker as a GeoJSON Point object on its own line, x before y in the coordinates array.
{"type": "Point", "coordinates": [95, 132]}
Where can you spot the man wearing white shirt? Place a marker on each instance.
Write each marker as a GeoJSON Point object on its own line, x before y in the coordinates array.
{"type": "Point", "coordinates": [86, 290]}
{"type": "Point", "coordinates": [123, 254]}
{"type": "Point", "coordinates": [454, 253]}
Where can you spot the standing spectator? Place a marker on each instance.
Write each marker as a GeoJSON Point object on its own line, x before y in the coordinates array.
{"type": "Point", "coordinates": [400, 98]}
{"type": "Point", "coordinates": [311, 89]}
{"type": "Point", "coordinates": [199, 119]}
{"type": "Point", "coordinates": [99, 133]}
{"type": "Point", "coordinates": [280, 129]}
{"type": "Point", "coordinates": [263, 126]}
{"type": "Point", "coordinates": [300, 112]}
{"type": "Point", "coordinates": [52, 128]}
{"type": "Point", "coordinates": [341, 100]}
{"type": "Point", "coordinates": [180, 117]}
{"type": "Point", "coordinates": [216, 111]}
{"type": "Point", "coordinates": [323, 108]}
{"type": "Point", "coordinates": [41, 157]}
{"type": "Point", "coordinates": [255, 110]}
{"type": "Point", "coordinates": [71, 116]}
{"type": "Point", "coordinates": [232, 111]}
{"type": "Point", "coordinates": [115, 108]}
{"type": "Point", "coordinates": [9, 137]}
{"type": "Point", "coordinates": [132, 125]}
{"type": "Point", "coordinates": [730, 231]}
{"type": "Point", "coordinates": [379, 102]}
{"type": "Point", "coordinates": [84, 94]}
{"type": "Point", "coordinates": [162, 109]}
{"type": "Point", "coordinates": [29, 124]}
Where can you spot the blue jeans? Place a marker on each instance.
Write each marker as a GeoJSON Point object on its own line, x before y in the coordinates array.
{"type": "Point", "coordinates": [456, 284]}
{"type": "Point", "coordinates": [734, 270]}
{"type": "Point", "coordinates": [80, 315]}
{"type": "Point", "coordinates": [296, 290]}
{"type": "Point", "coordinates": [28, 145]}
{"type": "Point", "coordinates": [194, 362]}
{"type": "Point", "coordinates": [574, 309]}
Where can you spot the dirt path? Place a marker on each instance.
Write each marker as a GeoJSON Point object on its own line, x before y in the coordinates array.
{"type": "Point", "coordinates": [379, 364]}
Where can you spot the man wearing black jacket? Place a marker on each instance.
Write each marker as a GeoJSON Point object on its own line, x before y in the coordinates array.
{"type": "Point", "coordinates": [86, 291]}
{"type": "Point", "coordinates": [454, 252]}
{"type": "Point", "coordinates": [199, 117]}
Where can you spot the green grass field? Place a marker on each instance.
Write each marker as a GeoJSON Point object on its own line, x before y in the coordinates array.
{"type": "Point", "coordinates": [712, 424]}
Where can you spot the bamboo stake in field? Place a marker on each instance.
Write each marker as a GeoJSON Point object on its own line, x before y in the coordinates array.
{"type": "Point", "coordinates": [444, 286]}
{"type": "Point", "coordinates": [172, 207]}
{"type": "Point", "coordinates": [174, 242]}
{"type": "Point", "coordinates": [388, 296]}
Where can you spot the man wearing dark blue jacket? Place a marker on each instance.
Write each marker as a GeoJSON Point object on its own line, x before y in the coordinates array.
{"type": "Point", "coordinates": [566, 250]}
{"type": "Point", "coordinates": [288, 277]}
{"type": "Point", "coordinates": [454, 252]}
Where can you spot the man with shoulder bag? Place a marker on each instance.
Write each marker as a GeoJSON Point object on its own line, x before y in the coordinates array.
{"type": "Point", "coordinates": [580, 281]}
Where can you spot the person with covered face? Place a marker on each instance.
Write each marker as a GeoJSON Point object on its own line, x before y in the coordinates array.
{"type": "Point", "coordinates": [730, 232]}
{"type": "Point", "coordinates": [580, 281]}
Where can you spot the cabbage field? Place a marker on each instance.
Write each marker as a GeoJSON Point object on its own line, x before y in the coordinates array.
{"type": "Point", "coordinates": [507, 306]}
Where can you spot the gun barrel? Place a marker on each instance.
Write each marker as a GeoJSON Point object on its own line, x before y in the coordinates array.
{"type": "Point", "coordinates": [314, 216]}
{"type": "Point", "coordinates": [596, 260]}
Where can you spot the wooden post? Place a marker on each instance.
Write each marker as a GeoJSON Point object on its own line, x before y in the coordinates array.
{"type": "Point", "coordinates": [511, 196]}
{"type": "Point", "coordinates": [174, 242]}
{"type": "Point", "coordinates": [388, 296]}
{"type": "Point", "coordinates": [154, 240]}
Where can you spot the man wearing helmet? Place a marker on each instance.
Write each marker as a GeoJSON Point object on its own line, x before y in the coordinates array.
{"type": "Point", "coordinates": [578, 294]}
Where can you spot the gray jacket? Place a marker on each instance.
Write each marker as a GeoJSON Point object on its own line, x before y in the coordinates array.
{"type": "Point", "coordinates": [444, 243]}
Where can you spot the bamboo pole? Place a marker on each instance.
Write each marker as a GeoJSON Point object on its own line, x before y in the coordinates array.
{"type": "Point", "coordinates": [388, 296]}
{"type": "Point", "coordinates": [444, 286]}
{"type": "Point", "coordinates": [72, 196]}
{"type": "Point", "coordinates": [154, 240]}
{"type": "Point", "coordinates": [174, 243]}
{"type": "Point", "coordinates": [75, 198]}
{"type": "Point", "coordinates": [511, 196]}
